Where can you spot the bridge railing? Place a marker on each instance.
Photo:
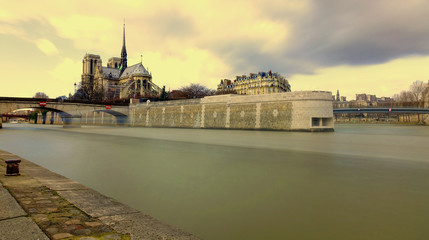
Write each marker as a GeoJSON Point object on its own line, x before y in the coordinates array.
{"type": "Point", "coordinates": [393, 110]}
{"type": "Point", "coordinates": [116, 102]}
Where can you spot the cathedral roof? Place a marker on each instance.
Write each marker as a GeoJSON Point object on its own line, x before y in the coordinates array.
{"type": "Point", "coordinates": [134, 69]}
{"type": "Point", "coordinates": [110, 72]}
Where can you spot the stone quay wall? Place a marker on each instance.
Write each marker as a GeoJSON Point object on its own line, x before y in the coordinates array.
{"type": "Point", "coordinates": [290, 111]}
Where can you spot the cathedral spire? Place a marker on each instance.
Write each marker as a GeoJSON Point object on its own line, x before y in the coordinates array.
{"type": "Point", "coordinates": [123, 53]}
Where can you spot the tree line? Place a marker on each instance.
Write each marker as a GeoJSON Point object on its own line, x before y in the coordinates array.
{"type": "Point", "coordinates": [417, 95]}
{"type": "Point", "coordinates": [87, 94]}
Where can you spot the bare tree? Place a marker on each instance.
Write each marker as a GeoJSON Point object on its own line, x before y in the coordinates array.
{"type": "Point", "coordinates": [396, 97]}
{"type": "Point", "coordinates": [417, 90]}
{"type": "Point", "coordinates": [176, 94]}
{"type": "Point", "coordinates": [426, 95]}
{"type": "Point", "coordinates": [196, 91]}
{"type": "Point", "coordinates": [417, 96]}
{"type": "Point", "coordinates": [87, 92]}
{"type": "Point", "coordinates": [405, 96]}
{"type": "Point", "coordinates": [40, 95]}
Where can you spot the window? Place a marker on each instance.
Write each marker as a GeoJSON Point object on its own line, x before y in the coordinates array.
{"type": "Point", "coordinates": [327, 122]}
{"type": "Point", "coordinates": [315, 122]}
{"type": "Point", "coordinates": [90, 67]}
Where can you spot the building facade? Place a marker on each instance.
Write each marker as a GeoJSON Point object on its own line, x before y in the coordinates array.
{"type": "Point", "coordinates": [362, 100]}
{"type": "Point", "coordinates": [261, 83]}
{"type": "Point", "coordinates": [117, 80]}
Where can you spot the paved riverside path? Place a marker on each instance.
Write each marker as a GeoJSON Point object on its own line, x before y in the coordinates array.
{"type": "Point", "coordinates": [41, 204]}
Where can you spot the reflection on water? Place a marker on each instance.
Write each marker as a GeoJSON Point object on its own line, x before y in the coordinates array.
{"type": "Point", "coordinates": [360, 182]}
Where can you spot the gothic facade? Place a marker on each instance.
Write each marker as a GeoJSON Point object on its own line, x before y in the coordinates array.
{"type": "Point", "coordinates": [117, 80]}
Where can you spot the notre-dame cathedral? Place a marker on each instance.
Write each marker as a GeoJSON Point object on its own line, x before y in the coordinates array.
{"type": "Point", "coordinates": [117, 80]}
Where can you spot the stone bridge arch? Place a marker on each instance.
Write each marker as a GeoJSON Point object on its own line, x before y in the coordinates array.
{"type": "Point", "coordinates": [52, 116]}
{"type": "Point", "coordinates": [69, 113]}
{"type": "Point", "coordinates": [121, 118]}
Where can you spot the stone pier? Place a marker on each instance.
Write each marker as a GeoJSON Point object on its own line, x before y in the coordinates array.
{"type": "Point", "coordinates": [291, 111]}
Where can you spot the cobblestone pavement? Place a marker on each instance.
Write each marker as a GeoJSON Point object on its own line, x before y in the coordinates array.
{"type": "Point", "coordinates": [55, 216]}
{"type": "Point", "coordinates": [58, 218]}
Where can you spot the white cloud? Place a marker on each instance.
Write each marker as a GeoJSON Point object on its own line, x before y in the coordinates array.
{"type": "Point", "coordinates": [63, 76]}
{"type": "Point", "coordinates": [46, 46]}
{"type": "Point", "coordinates": [8, 29]}
{"type": "Point", "coordinates": [87, 32]}
{"type": "Point", "coordinates": [191, 65]}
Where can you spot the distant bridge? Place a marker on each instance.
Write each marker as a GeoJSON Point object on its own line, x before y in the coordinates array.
{"type": "Point", "coordinates": [59, 112]}
{"type": "Point", "coordinates": [383, 110]}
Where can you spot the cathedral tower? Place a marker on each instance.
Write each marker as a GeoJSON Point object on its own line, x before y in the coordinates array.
{"type": "Point", "coordinates": [90, 63]}
{"type": "Point", "coordinates": [123, 65]}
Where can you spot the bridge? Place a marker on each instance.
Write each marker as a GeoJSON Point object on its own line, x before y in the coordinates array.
{"type": "Point", "coordinates": [56, 111]}
{"type": "Point", "coordinates": [404, 114]}
{"type": "Point", "coordinates": [383, 110]}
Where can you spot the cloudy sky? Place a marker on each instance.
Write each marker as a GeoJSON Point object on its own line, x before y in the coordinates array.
{"type": "Point", "coordinates": [356, 46]}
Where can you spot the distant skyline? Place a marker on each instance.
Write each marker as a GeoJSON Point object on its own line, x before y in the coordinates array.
{"type": "Point", "coordinates": [376, 47]}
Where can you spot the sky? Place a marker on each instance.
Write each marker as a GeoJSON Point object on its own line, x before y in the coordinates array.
{"type": "Point", "coordinates": [376, 47]}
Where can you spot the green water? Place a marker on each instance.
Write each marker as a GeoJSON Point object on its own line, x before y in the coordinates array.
{"type": "Point", "coordinates": [359, 182]}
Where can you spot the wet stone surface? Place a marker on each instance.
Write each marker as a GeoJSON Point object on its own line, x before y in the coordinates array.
{"type": "Point", "coordinates": [58, 218]}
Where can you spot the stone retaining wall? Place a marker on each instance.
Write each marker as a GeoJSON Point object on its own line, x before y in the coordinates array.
{"type": "Point", "coordinates": [304, 111]}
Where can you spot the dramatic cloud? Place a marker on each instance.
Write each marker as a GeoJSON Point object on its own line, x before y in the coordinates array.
{"type": "Point", "coordinates": [361, 32]}
{"type": "Point", "coordinates": [204, 41]}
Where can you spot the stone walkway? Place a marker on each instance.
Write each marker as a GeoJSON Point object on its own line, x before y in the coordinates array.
{"type": "Point", "coordinates": [56, 217]}
{"type": "Point", "coordinates": [41, 204]}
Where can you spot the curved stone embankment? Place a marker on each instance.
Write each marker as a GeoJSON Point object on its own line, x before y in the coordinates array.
{"type": "Point", "coordinates": [65, 209]}
{"type": "Point", "coordinates": [288, 111]}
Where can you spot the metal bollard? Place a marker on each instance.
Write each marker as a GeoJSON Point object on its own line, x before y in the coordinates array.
{"type": "Point", "coordinates": [12, 168]}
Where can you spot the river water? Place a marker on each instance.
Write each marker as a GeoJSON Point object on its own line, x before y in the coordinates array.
{"type": "Point", "coordinates": [359, 182]}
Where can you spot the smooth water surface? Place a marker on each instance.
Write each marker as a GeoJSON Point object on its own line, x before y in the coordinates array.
{"type": "Point", "coordinates": [359, 182]}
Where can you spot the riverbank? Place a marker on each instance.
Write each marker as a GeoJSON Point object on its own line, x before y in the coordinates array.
{"type": "Point", "coordinates": [41, 204]}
